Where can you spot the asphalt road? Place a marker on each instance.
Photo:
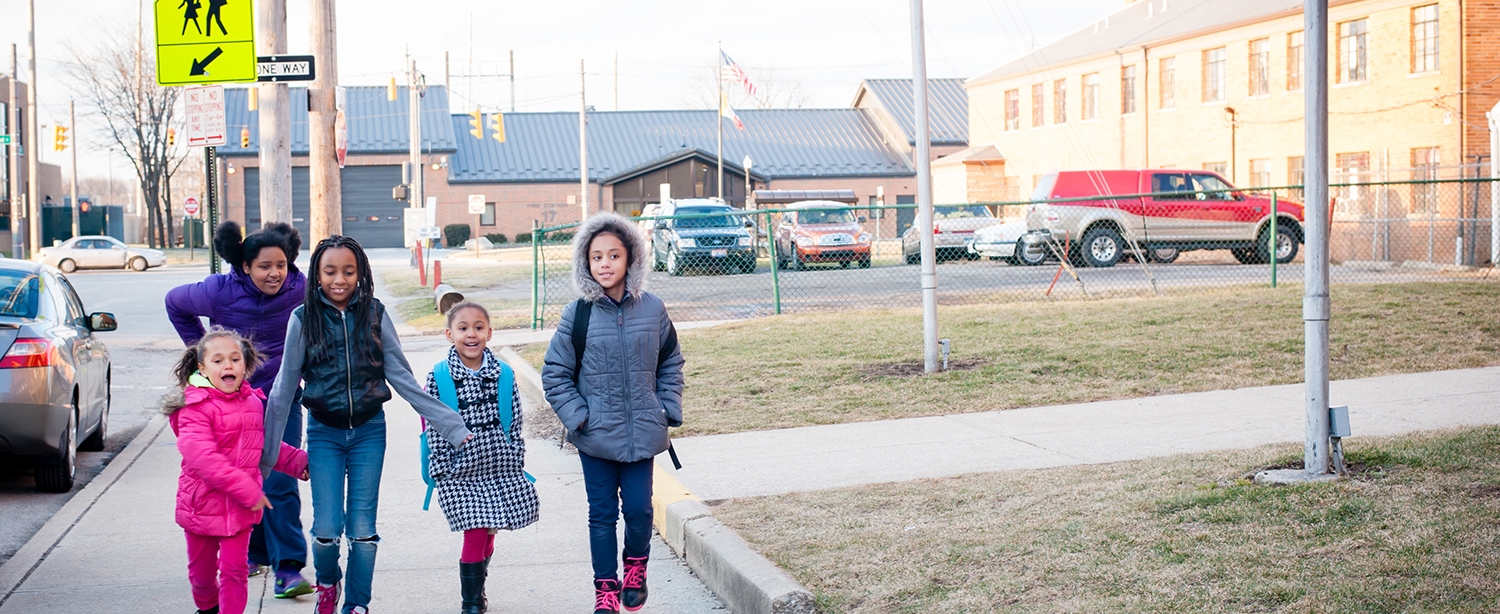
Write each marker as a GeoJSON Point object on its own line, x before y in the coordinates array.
{"type": "Point", "coordinates": [141, 352]}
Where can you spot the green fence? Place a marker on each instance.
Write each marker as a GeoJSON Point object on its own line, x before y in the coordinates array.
{"type": "Point", "coordinates": [832, 257]}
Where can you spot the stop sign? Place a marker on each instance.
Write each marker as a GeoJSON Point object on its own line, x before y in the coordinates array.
{"type": "Point", "coordinates": [190, 206]}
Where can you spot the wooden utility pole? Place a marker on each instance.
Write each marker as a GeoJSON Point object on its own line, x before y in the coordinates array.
{"type": "Point", "coordinates": [275, 113]}
{"type": "Point", "coordinates": [326, 215]}
{"type": "Point", "coordinates": [73, 130]}
{"type": "Point", "coordinates": [33, 133]}
{"type": "Point", "coordinates": [12, 127]}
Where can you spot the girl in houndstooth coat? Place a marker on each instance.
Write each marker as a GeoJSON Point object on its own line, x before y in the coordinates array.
{"type": "Point", "coordinates": [482, 487]}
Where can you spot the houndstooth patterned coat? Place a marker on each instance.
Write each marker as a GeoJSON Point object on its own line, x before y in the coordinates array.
{"type": "Point", "coordinates": [482, 486]}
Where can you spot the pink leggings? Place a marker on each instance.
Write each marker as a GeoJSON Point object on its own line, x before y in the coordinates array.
{"type": "Point", "coordinates": [479, 544]}
{"type": "Point", "coordinates": [217, 571]}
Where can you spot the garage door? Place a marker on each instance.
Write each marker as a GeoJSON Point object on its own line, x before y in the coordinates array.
{"type": "Point", "coordinates": [371, 216]}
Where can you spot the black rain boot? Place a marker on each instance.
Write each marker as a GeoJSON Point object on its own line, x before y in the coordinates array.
{"type": "Point", "coordinates": [484, 597]}
{"type": "Point", "coordinates": [471, 583]}
{"type": "Point", "coordinates": [633, 590]}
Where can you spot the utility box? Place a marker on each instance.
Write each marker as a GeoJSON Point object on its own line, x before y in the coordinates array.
{"type": "Point", "coordinates": [1338, 422]}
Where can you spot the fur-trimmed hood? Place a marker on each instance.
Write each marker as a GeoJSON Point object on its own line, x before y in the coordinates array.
{"type": "Point", "coordinates": [635, 274]}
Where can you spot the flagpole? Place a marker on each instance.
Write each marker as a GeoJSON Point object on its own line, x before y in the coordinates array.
{"type": "Point", "coordinates": [719, 118]}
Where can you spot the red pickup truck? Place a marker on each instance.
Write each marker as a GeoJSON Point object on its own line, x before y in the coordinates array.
{"type": "Point", "coordinates": [1159, 212]}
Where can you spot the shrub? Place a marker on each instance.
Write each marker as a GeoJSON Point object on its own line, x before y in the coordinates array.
{"type": "Point", "coordinates": [496, 238]}
{"type": "Point", "coordinates": [559, 237]}
{"type": "Point", "coordinates": [455, 235]}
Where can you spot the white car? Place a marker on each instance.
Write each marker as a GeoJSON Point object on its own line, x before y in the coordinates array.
{"type": "Point", "coordinates": [99, 252]}
{"type": "Point", "coordinates": [1004, 241]}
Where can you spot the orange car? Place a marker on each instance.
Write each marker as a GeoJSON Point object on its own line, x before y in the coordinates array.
{"type": "Point", "coordinates": [818, 231]}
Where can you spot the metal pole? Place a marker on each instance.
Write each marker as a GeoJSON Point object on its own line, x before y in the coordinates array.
{"type": "Point", "coordinates": [34, 188]}
{"type": "Point", "coordinates": [211, 179]}
{"type": "Point", "coordinates": [719, 119]}
{"type": "Point", "coordinates": [325, 186]}
{"type": "Point", "coordinates": [414, 135]}
{"type": "Point", "coordinates": [775, 264]}
{"type": "Point", "coordinates": [1315, 301]}
{"type": "Point", "coordinates": [536, 278]}
{"type": "Point", "coordinates": [1273, 239]}
{"type": "Point", "coordinates": [12, 127]}
{"type": "Point", "coordinates": [275, 116]}
{"type": "Point", "coordinates": [583, 145]}
{"type": "Point", "coordinates": [1494, 117]}
{"type": "Point", "coordinates": [73, 130]}
{"type": "Point", "coordinates": [920, 158]}
{"type": "Point", "coordinates": [512, 80]}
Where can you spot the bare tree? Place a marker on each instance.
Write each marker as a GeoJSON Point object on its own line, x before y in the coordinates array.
{"type": "Point", "coordinates": [770, 93]}
{"type": "Point", "coordinates": [135, 113]}
{"type": "Point", "coordinates": [105, 192]}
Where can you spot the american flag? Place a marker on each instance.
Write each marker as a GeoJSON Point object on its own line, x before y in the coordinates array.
{"type": "Point", "coordinates": [732, 73]}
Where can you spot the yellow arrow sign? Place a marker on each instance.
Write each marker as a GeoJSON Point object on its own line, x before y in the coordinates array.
{"type": "Point", "coordinates": [204, 41]}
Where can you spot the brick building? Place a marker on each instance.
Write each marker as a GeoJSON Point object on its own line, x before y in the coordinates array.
{"type": "Point", "coordinates": [1217, 84]}
{"type": "Point", "coordinates": [534, 174]}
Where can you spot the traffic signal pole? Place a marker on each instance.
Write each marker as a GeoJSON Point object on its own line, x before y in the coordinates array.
{"type": "Point", "coordinates": [12, 128]}
{"type": "Point", "coordinates": [34, 131]}
{"type": "Point", "coordinates": [73, 129]}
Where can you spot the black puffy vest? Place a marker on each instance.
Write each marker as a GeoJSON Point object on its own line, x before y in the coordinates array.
{"type": "Point", "coordinates": [344, 390]}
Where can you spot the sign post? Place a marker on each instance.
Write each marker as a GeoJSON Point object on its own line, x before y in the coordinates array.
{"type": "Point", "coordinates": [189, 210]}
{"type": "Point", "coordinates": [476, 208]}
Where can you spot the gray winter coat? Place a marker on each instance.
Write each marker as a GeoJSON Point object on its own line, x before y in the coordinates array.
{"type": "Point", "coordinates": [630, 388]}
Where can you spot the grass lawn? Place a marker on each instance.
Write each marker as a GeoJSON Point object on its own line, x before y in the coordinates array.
{"type": "Point", "coordinates": [829, 368]}
{"type": "Point", "coordinates": [465, 278]}
{"type": "Point", "coordinates": [1414, 531]}
{"type": "Point", "coordinates": [422, 315]}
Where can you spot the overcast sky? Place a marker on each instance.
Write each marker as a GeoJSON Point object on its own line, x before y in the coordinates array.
{"type": "Point", "coordinates": [666, 49]}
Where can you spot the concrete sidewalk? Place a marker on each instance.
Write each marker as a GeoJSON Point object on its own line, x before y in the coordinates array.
{"type": "Point", "coordinates": [819, 457]}
{"type": "Point", "coordinates": [116, 548]}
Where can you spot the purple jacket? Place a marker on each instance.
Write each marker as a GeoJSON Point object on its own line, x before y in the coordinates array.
{"type": "Point", "coordinates": [232, 301]}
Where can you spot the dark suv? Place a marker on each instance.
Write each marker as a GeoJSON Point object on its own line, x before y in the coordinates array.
{"type": "Point", "coordinates": [697, 237]}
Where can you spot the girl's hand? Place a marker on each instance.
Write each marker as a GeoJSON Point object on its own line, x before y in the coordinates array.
{"type": "Point", "coordinates": [305, 475]}
{"type": "Point", "coordinates": [263, 503]}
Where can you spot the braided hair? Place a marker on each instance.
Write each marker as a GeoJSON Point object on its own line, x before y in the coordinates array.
{"type": "Point", "coordinates": [362, 302]}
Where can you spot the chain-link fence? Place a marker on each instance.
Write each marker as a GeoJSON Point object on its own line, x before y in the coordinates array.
{"type": "Point", "coordinates": [1188, 231]}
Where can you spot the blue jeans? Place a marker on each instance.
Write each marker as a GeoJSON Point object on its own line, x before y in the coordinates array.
{"type": "Point", "coordinates": [277, 539]}
{"type": "Point", "coordinates": [336, 459]}
{"type": "Point", "coordinates": [616, 489]}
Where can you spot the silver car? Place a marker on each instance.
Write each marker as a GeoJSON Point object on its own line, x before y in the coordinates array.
{"type": "Point", "coordinates": [54, 373]}
{"type": "Point", "coordinates": [99, 252]}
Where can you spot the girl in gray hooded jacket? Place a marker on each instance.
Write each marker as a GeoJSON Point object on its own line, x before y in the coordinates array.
{"type": "Point", "coordinates": [617, 399]}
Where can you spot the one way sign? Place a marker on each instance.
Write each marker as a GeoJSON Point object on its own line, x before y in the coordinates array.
{"type": "Point", "coordinates": [278, 68]}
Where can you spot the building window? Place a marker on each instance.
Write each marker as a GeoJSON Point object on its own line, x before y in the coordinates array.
{"type": "Point", "coordinates": [1294, 175]}
{"type": "Point", "coordinates": [1260, 67]}
{"type": "Point", "coordinates": [1091, 96]}
{"type": "Point", "coordinates": [1127, 89]}
{"type": "Point", "coordinates": [1352, 51]}
{"type": "Point", "coordinates": [1222, 168]}
{"type": "Point", "coordinates": [1060, 101]}
{"type": "Point", "coordinates": [1012, 109]}
{"type": "Point", "coordinates": [1038, 105]}
{"type": "Point", "coordinates": [1213, 75]}
{"type": "Point", "coordinates": [1294, 61]}
{"type": "Point", "coordinates": [1424, 38]}
{"type": "Point", "coordinates": [1260, 173]}
{"type": "Point", "coordinates": [1424, 165]}
{"type": "Point", "coordinates": [1168, 75]}
{"type": "Point", "coordinates": [1351, 168]}
{"type": "Point", "coordinates": [488, 217]}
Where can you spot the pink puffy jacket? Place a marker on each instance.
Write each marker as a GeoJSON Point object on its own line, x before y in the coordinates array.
{"type": "Point", "coordinates": [220, 436]}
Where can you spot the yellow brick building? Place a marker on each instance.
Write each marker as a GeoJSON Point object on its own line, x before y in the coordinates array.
{"type": "Point", "coordinates": [1218, 84]}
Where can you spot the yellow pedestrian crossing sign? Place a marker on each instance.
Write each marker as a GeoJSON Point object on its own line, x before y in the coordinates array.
{"type": "Point", "coordinates": [204, 41]}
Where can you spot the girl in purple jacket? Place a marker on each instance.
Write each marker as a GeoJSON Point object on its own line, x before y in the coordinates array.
{"type": "Point", "coordinates": [255, 299]}
{"type": "Point", "coordinates": [219, 423]}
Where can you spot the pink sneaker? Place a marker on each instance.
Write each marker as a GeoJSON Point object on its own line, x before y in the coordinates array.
{"type": "Point", "coordinates": [328, 599]}
{"type": "Point", "coordinates": [633, 591]}
{"type": "Point", "coordinates": [606, 596]}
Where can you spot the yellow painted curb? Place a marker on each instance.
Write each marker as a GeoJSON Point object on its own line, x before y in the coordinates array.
{"type": "Point", "coordinates": [665, 490]}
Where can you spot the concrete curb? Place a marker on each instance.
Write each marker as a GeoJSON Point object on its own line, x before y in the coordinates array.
{"type": "Point", "coordinates": [16, 570]}
{"type": "Point", "coordinates": [746, 581]}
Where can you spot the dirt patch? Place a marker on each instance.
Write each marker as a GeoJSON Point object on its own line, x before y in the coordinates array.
{"type": "Point", "coordinates": [911, 369]}
{"type": "Point", "coordinates": [1491, 491]}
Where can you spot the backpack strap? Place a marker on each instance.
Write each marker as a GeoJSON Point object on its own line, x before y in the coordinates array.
{"type": "Point", "coordinates": [448, 394]}
{"type": "Point", "coordinates": [502, 398]}
{"type": "Point", "coordinates": [583, 309]}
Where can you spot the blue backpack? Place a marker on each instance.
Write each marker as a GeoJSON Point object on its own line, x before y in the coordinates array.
{"type": "Point", "coordinates": [448, 394]}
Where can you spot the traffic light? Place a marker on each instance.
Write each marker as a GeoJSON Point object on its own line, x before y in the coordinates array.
{"type": "Point", "coordinates": [390, 90]}
{"type": "Point", "coordinates": [476, 123]}
{"type": "Point", "coordinates": [497, 123]}
{"type": "Point", "coordinates": [59, 138]}
{"type": "Point", "coordinates": [245, 138]}
{"type": "Point", "coordinates": [171, 137]}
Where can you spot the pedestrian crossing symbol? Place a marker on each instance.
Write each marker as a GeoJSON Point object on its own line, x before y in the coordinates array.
{"type": "Point", "coordinates": [204, 41]}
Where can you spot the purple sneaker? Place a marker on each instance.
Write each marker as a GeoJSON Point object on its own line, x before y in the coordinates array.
{"type": "Point", "coordinates": [290, 584]}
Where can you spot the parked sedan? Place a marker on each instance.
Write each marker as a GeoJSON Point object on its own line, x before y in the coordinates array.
{"type": "Point", "coordinates": [54, 373]}
{"type": "Point", "coordinates": [1004, 241]}
{"type": "Point", "coordinates": [99, 252]}
{"type": "Point", "coordinates": [953, 227]}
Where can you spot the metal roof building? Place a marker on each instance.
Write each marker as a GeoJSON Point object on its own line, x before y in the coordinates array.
{"type": "Point", "coordinates": [376, 125]}
{"type": "Point", "coordinates": [947, 107]}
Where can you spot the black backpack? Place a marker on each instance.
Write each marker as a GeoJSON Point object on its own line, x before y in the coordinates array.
{"type": "Point", "coordinates": [583, 309]}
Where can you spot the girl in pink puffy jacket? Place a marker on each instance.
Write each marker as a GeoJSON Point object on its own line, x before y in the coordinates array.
{"type": "Point", "coordinates": [219, 422]}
